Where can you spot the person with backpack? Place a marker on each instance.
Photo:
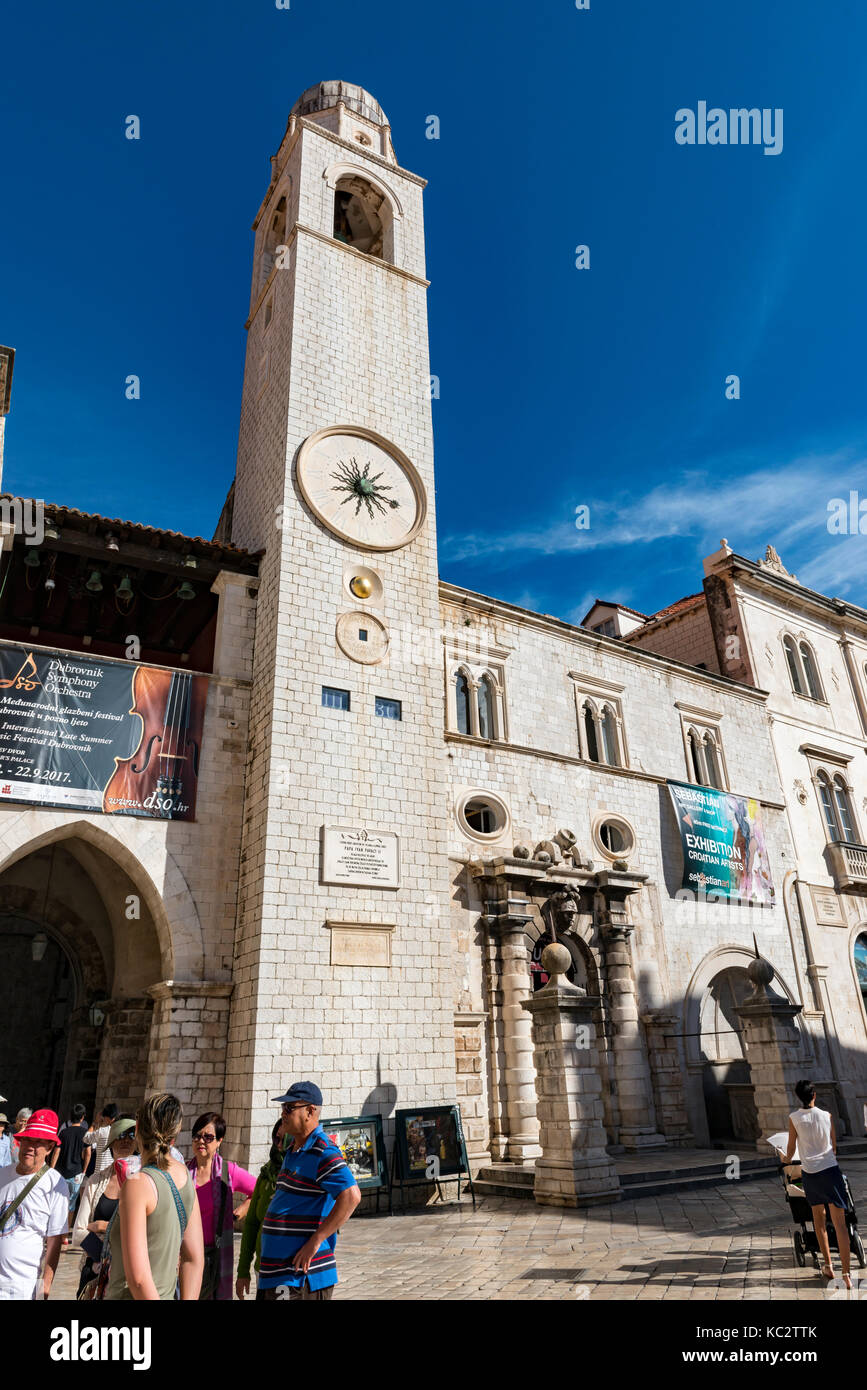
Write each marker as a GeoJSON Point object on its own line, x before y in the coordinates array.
{"type": "Point", "coordinates": [97, 1138]}
{"type": "Point", "coordinates": [157, 1221]}
{"type": "Point", "coordinates": [34, 1212]}
{"type": "Point", "coordinates": [72, 1156]}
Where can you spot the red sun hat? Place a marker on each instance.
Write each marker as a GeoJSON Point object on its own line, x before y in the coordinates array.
{"type": "Point", "coordinates": [41, 1125]}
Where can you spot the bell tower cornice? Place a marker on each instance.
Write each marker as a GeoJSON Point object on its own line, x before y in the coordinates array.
{"type": "Point", "coordinates": [297, 124]}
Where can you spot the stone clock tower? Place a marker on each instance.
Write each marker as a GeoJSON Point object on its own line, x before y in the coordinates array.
{"type": "Point", "coordinates": [342, 963]}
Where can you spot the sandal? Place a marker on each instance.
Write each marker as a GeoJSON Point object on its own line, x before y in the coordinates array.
{"type": "Point", "coordinates": [827, 1272]}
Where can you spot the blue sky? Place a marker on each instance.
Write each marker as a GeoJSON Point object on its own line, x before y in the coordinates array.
{"type": "Point", "coordinates": [559, 387]}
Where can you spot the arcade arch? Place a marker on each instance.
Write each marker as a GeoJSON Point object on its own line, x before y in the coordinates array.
{"type": "Point", "coordinates": [92, 959]}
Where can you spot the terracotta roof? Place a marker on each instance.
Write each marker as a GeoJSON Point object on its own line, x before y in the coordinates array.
{"type": "Point", "coordinates": [59, 513]}
{"type": "Point", "coordinates": [682, 604]}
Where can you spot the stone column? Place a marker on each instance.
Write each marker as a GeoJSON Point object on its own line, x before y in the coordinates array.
{"type": "Point", "coordinates": [574, 1168]}
{"type": "Point", "coordinates": [508, 921]}
{"type": "Point", "coordinates": [667, 1075]}
{"type": "Point", "coordinates": [124, 1056]}
{"type": "Point", "coordinates": [469, 1087]}
{"type": "Point", "coordinates": [630, 1065]}
{"type": "Point", "coordinates": [188, 1045]}
{"type": "Point", "coordinates": [771, 1047]}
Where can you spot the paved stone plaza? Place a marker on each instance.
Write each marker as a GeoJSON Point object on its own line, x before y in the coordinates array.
{"type": "Point", "coordinates": [732, 1241]}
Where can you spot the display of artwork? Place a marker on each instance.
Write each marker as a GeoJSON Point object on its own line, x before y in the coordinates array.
{"type": "Point", "coordinates": [359, 1138]}
{"type": "Point", "coordinates": [430, 1142]}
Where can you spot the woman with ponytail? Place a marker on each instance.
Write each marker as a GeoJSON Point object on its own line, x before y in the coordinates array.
{"type": "Point", "coordinates": [811, 1130]}
{"type": "Point", "coordinates": [157, 1220]}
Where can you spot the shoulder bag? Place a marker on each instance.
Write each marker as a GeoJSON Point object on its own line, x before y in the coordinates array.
{"type": "Point", "coordinates": [16, 1201]}
{"type": "Point", "coordinates": [95, 1288]}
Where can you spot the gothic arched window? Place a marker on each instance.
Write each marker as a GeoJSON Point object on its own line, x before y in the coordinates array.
{"type": "Point", "coordinates": [694, 759]}
{"type": "Point", "coordinates": [609, 737]}
{"type": "Point", "coordinates": [844, 810]}
{"type": "Point", "coordinates": [826, 796]}
{"type": "Point", "coordinates": [462, 702]}
{"type": "Point", "coordinates": [712, 763]}
{"type": "Point", "coordinates": [486, 708]}
{"type": "Point", "coordinates": [811, 671]}
{"type": "Point", "coordinates": [590, 733]}
{"type": "Point", "coordinates": [794, 666]}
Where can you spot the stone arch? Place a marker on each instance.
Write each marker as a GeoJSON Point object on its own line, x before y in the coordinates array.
{"type": "Point", "coordinates": [390, 211]}
{"type": "Point", "coordinates": [715, 963]}
{"type": "Point", "coordinates": [146, 861]}
{"type": "Point", "coordinates": [726, 1069]}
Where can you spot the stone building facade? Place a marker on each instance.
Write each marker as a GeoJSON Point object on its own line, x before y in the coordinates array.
{"type": "Point", "coordinates": [407, 789]}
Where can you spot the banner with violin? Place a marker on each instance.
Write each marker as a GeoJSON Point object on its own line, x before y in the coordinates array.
{"type": "Point", "coordinates": [93, 735]}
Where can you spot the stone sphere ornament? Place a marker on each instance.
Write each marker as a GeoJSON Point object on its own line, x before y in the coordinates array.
{"type": "Point", "coordinates": [521, 852]}
{"type": "Point", "coordinates": [555, 959]}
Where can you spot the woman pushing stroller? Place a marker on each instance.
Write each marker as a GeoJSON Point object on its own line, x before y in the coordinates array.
{"type": "Point", "coordinates": [812, 1131]}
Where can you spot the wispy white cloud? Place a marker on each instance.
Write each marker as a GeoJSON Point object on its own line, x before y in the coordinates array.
{"type": "Point", "coordinates": [785, 504]}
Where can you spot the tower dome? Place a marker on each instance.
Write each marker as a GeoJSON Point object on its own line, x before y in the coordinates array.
{"type": "Point", "coordinates": [325, 96]}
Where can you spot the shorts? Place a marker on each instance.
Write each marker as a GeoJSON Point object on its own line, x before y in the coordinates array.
{"type": "Point", "coordinates": [74, 1185]}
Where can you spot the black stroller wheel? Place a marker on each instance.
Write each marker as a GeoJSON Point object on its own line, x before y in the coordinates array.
{"type": "Point", "coordinates": [800, 1252]}
{"type": "Point", "coordinates": [858, 1246]}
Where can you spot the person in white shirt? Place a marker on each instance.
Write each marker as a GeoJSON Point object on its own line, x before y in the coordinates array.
{"type": "Point", "coordinates": [33, 1225]}
{"type": "Point", "coordinates": [98, 1136]}
{"type": "Point", "coordinates": [811, 1130]}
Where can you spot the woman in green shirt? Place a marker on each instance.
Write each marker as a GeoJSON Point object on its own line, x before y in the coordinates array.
{"type": "Point", "coordinates": [259, 1204]}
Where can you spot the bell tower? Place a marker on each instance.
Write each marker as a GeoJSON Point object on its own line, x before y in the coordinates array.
{"type": "Point", "coordinates": [343, 956]}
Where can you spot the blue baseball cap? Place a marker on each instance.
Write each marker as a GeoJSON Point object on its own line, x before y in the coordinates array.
{"type": "Point", "coordinates": [302, 1093]}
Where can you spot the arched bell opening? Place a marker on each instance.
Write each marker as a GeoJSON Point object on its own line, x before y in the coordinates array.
{"type": "Point", "coordinates": [363, 217]}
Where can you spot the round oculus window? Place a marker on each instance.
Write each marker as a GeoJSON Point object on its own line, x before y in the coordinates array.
{"type": "Point", "coordinates": [614, 836]}
{"type": "Point", "coordinates": [482, 815]}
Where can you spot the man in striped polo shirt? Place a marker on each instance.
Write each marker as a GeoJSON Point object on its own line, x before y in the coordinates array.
{"type": "Point", "coordinates": [316, 1193]}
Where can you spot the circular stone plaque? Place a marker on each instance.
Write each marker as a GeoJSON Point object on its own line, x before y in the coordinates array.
{"type": "Point", "coordinates": [362, 637]}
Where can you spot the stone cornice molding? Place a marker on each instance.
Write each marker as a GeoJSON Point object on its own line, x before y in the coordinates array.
{"type": "Point", "coordinates": [543, 622]}
{"type": "Point", "coordinates": [331, 241]}
{"type": "Point", "coordinates": [796, 595]}
{"type": "Point", "coordinates": [196, 989]}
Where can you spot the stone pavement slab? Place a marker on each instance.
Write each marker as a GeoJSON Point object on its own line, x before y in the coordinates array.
{"type": "Point", "coordinates": [736, 1243]}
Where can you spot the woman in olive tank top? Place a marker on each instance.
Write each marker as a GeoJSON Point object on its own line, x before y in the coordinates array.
{"type": "Point", "coordinates": [158, 1222]}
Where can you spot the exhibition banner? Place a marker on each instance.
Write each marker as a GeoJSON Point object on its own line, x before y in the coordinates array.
{"type": "Point", "coordinates": [723, 840]}
{"type": "Point", "coordinates": [107, 736]}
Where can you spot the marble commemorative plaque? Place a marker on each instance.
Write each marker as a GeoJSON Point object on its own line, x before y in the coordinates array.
{"type": "Point", "coordinates": [360, 857]}
{"type": "Point", "coordinates": [827, 908]}
{"type": "Point", "coordinates": [360, 943]}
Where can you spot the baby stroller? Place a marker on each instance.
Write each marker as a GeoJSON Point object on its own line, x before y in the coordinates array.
{"type": "Point", "coordinates": [805, 1240]}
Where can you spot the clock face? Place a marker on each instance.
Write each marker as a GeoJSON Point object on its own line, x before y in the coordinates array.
{"type": "Point", "coordinates": [362, 487]}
